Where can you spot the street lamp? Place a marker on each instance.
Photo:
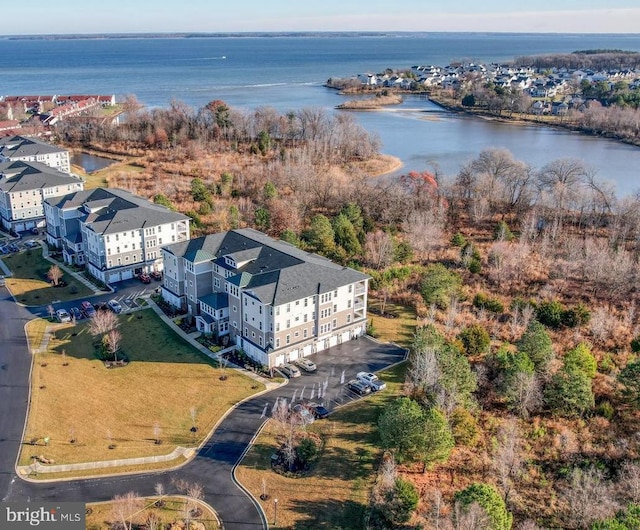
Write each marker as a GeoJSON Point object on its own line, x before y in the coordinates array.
{"type": "Point", "coordinates": [275, 512]}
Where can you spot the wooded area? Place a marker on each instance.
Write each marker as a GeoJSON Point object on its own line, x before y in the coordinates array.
{"type": "Point", "coordinates": [523, 371]}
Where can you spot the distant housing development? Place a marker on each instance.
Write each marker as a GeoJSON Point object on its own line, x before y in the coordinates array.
{"type": "Point", "coordinates": [116, 235]}
{"type": "Point", "coordinates": [274, 301]}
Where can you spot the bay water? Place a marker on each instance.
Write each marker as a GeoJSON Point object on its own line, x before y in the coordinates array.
{"type": "Point", "coordinates": [288, 73]}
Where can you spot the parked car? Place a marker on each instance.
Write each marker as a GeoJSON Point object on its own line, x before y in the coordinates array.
{"type": "Point", "coordinates": [2, 281]}
{"type": "Point", "coordinates": [319, 411]}
{"type": "Point", "coordinates": [144, 278]}
{"type": "Point", "coordinates": [305, 413]}
{"type": "Point", "coordinates": [13, 247]}
{"type": "Point", "coordinates": [63, 315]}
{"type": "Point", "coordinates": [88, 309]}
{"type": "Point", "coordinates": [372, 380]}
{"type": "Point", "coordinates": [34, 230]}
{"type": "Point", "coordinates": [101, 306]}
{"type": "Point", "coordinates": [76, 313]}
{"type": "Point", "coordinates": [4, 250]}
{"type": "Point", "coordinates": [115, 306]}
{"type": "Point", "coordinates": [31, 243]}
{"type": "Point", "coordinates": [359, 387]}
{"type": "Point", "coordinates": [156, 275]}
{"type": "Point", "coordinates": [289, 370]}
{"type": "Point", "coordinates": [305, 364]}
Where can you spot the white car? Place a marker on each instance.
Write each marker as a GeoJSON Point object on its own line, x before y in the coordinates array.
{"type": "Point", "coordinates": [306, 364]}
{"type": "Point", "coordinates": [63, 315]}
{"type": "Point", "coordinates": [289, 370]}
{"type": "Point", "coordinates": [115, 306]}
{"type": "Point", "coordinates": [372, 380]}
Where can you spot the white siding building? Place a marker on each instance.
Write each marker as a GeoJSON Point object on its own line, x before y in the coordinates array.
{"type": "Point", "coordinates": [273, 300]}
{"type": "Point", "coordinates": [24, 186]}
{"type": "Point", "coordinates": [32, 150]}
{"type": "Point", "coordinates": [113, 233]}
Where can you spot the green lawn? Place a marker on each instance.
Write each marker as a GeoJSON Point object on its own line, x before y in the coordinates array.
{"type": "Point", "coordinates": [29, 284]}
{"type": "Point", "coordinates": [75, 397]}
{"type": "Point", "coordinates": [336, 491]}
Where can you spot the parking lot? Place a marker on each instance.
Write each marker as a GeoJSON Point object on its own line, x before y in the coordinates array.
{"type": "Point", "coordinates": [335, 368]}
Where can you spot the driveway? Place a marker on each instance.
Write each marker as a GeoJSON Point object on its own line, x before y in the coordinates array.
{"type": "Point", "coordinates": [214, 463]}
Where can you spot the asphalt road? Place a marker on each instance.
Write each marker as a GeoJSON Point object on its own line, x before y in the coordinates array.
{"type": "Point", "coordinates": [214, 463]}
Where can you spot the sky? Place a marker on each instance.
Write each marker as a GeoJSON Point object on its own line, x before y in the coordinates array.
{"type": "Point", "coordinates": [166, 16]}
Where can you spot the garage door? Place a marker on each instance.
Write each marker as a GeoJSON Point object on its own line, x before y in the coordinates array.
{"type": "Point", "coordinates": [294, 355]}
{"type": "Point", "coordinates": [308, 350]}
{"type": "Point", "coordinates": [279, 360]}
{"type": "Point", "coordinates": [346, 336]}
{"type": "Point", "coordinates": [333, 340]}
{"type": "Point", "coordinates": [127, 275]}
{"type": "Point", "coordinates": [19, 227]}
{"type": "Point", "coordinates": [114, 277]}
{"type": "Point", "coordinates": [320, 345]}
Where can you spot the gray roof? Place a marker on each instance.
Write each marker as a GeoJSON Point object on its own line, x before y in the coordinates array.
{"type": "Point", "coordinates": [23, 176]}
{"type": "Point", "coordinates": [216, 300]}
{"type": "Point", "coordinates": [110, 210]}
{"type": "Point", "coordinates": [14, 147]}
{"type": "Point", "coordinates": [278, 272]}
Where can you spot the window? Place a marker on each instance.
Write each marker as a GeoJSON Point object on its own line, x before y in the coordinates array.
{"type": "Point", "coordinates": [277, 326]}
{"type": "Point", "coordinates": [348, 318]}
{"type": "Point", "coordinates": [260, 341]}
{"type": "Point", "coordinates": [348, 303]}
{"type": "Point", "coordinates": [246, 331]}
{"type": "Point", "coordinates": [253, 334]}
{"type": "Point", "coordinates": [306, 302]}
{"type": "Point", "coordinates": [305, 317]}
{"type": "Point", "coordinates": [288, 308]}
{"type": "Point", "coordinates": [304, 333]}
{"type": "Point", "coordinates": [277, 343]}
{"type": "Point", "coordinates": [288, 339]}
{"type": "Point", "coordinates": [335, 293]}
{"type": "Point", "coordinates": [296, 334]}
{"type": "Point", "coordinates": [297, 302]}
{"type": "Point", "coordinates": [235, 309]}
{"type": "Point", "coordinates": [260, 326]}
{"type": "Point", "coordinates": [350, 288]}
{"type": "Point", "coordinates": [335, 308]}
{"type": "Point", "coordinates": [335, 323]}
{"type": "Point", "coordinates": [288, 323]}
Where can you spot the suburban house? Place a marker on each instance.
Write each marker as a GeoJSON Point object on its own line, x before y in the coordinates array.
{"type": "Point", "coordinates": [273, 300]}
{"type": "Point", "coordinates": [24, 187]}
{"type": "Point", "coordinates": [32, 150]}
{"type": "Point", "coordinates": [116, 235]}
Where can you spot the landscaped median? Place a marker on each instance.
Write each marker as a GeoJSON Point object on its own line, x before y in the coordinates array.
{"type": "Point", "coordinates": [167, 396]}
{"type": "Point", "coordinates": [29, 284]}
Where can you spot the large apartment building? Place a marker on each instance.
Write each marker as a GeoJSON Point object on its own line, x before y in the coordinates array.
{"type": "Point", "coordinates": [116, 235]}
{"type": "Point", "coordinates": [24, 187]}
{"type": "Point", "coordinates": [14, 148]}
{"type": "Point", "coordinates": [274, 301]}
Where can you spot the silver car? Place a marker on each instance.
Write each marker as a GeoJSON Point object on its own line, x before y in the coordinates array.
{"type": "Point", "coordinates": [289, 370]}
{"type": "Point", "coordinates": [306, 364]}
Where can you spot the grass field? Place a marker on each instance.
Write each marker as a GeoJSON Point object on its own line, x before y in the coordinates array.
{"type": "Point", "coordinates": [336, 491]}
{"type": "Point", "coordinates": [29, 284]}
{"type": "Point", "coordinates": [167, 382]}
{"type": "Point", "coordinates": [101, 515]}
{"type": "Point", "coordinates": [399, 329]}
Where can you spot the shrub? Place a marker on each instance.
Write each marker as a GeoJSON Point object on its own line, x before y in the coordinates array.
{"type": "Point", "coordinates": [490, 501]}
{"type": "Point", "coordinates": [581, 358]}
{"type": "Point", "coordinates": [458, 240]}
{"type": "Point", "coordinates": [606, 410]}
{"type": "Point", "coordinates": [464, 427]}
{"type": "Point", "coordinates": [635, 344]}
{"type": "Point", "coordinates": [306, 452]}
{"type": "Point", "coordinates": [550, 313]}
{"type": "Point", "coordinates": [439, 285]}
{"type": "Point", "coordinates": [502, 232]}
{"type": "Point", "coordinates": [482, 301]}
{"type": "Point", "coordinates": [475, 266]}
{"type": "Point", "coordinates": [475, 340]}
{"type": "Point", "coordinates": [536, 343]}
{"type": "Point", "coordinates": [569, 392]}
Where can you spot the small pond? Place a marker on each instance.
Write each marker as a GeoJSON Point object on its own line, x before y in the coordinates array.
{"type": "Point", "coordinates": [91, 163]}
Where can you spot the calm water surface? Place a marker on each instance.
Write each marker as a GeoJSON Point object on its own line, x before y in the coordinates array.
{"type": "Point", "coordinates": [287, 73]}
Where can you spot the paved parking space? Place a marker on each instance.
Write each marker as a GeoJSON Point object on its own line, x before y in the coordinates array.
{"type": "Point", "coordinates": [336, 366]}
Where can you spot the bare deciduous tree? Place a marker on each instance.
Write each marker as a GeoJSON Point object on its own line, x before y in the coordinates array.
{"type": "Point", "coordinates": [112, 342]}
{"type": "Point", "coordinates": [507, 457]}
{"type": "Point", "coordinates": [103, 322]}
{"type": "Point", "coordinates": [378, 249]}
{"type": "Point", "coordinates": [630, 480]}
{"type": "Point", "coordinates": [472, 517]}
{"type": "Point", "coordinates": [589, 497]}
{"type": "Point", "coordinates": [124, 507]}
{"type": "Point", "coordinates": [55, 274]}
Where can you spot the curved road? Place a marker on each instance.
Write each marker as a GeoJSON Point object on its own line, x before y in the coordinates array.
{"type": "Point", "coordinates": [214, 463]}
